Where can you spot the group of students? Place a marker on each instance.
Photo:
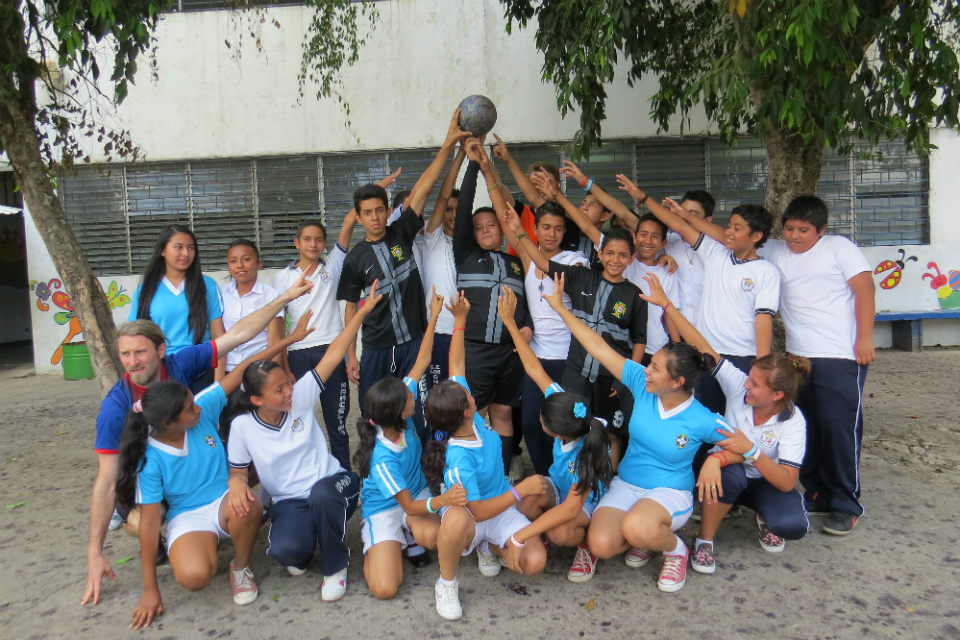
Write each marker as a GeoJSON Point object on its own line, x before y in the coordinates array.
{"type": "Point", "coordinates": [635, 361]}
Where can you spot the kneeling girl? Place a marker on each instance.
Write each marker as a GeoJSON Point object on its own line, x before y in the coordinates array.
{"type": "Point", "coordinates": [464, 451]}
{"type": "Point", "coordinates": [581, 471]}
{"type": "Point", "coordinates": [398, 508]}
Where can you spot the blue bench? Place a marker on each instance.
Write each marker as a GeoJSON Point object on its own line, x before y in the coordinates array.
{"type": "Point", "coordinates": [908, 325]}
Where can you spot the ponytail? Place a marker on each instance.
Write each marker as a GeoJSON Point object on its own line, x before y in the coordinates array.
{"type": "Point", "coordinates": [565, 415]}
{"type": "Point", "coordinates": [367, 430]}
{"type": "Point", "coordinates": [444, 411]}
{"type": "Point", "coordinates": [161, 405]}
{"type": "Point", "coordinates": [784, 372]}
{"type": "Point", "coordinates": [436, 458]}
{"type": "Point", "coordinates": [382, 405]}
{"type": "Point", "coordinates": [254, 377]}
{"type": "Point", "coordinates": [687, 362]}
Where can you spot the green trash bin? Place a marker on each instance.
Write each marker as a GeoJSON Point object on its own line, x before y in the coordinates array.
{"type": "Point", "coordinates": [76, 361]}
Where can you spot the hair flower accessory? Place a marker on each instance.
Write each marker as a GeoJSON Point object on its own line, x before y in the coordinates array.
{"type": "Point", "coordinates": [580, 410]}
{"type": "Point", "coordinates": [440, 436]}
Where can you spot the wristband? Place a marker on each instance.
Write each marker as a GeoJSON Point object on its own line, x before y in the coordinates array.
{"type": "Point", "coordinates": [752, 455]}
{"type": "Point", "coordinates": [522, 236]}
{"type": "Point", "coordinates": [668, 305]}
{"type": "Point", "coordinates": [455, 329]}
{"type": "Point", "coordinates": [495, 185]}
{"type": "Point", "coordinates": [515, 494]}
{"type": "Point", "coordinates": [723, 460]}
{"type": "Point", "coordinates": [430, 509]}
{"type": "Point", "coordinates": [589, 185]}
{"type": "Point", "coordinates": [585, 181]}
{"type": "Point", "coordinates": [646, 197]}
{"type": "Point", "coordinates": [518, 545]}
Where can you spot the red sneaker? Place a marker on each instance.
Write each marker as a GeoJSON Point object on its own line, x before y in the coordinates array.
{"type": "Point", "coordinates": [673, 575]}
{"type": "Point", "coordinates": [584, 565]}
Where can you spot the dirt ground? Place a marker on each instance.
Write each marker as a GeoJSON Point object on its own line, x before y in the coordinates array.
{"type": "Point", "coordinates": [897, 575]}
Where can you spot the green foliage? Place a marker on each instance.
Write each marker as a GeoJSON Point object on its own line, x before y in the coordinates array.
{"type": "Point", "coordinates": [817, 69]}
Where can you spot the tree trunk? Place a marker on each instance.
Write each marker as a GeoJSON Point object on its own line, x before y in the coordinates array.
{"type": "Point", "coordinates": [793, 169]}
{"type": "Point", "coordinates": [20, 141]}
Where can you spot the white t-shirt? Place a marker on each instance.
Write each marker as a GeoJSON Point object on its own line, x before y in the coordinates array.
{"type": "Point", "coordinates": [551, 337]}
{"type": "Point", "coordinates": [782, 438]}
{"type": "Point", "coordinates": [236, 307]}
{"type": "Point", "coordinates": [291, 457]}
{"type": "Point", "coordinates": [322, 299]}
{"type": "Point", "coordinates": [441, 272]}
{"type": "Point", "coordinates": [689, 275]}
{"type": "Point", "coordinates": [734, 293]}
{"type": "Point", "coordinates": [818, 304]}
{"type": "Point", "coordinates": [657, 335]}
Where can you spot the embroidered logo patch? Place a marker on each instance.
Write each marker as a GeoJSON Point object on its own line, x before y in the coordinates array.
{"type": "Point", "coordinates": [682, 441]}
{"type": "Point", "coordinates": [297, 425]}
{"type": "Point", "coordinates": [747, 284]}
{"type": "Point", "coordinates": [768, 438]}
{"type": "Point", "coordinates": [397, 252]}
{"type": "Point", "coordinates": [211, 442]}
{"type": "Point", "coordinates": [618, 419]}
{"type": "Point", "coordinates": [324, 275]}
{"type": "Point", "coordinates": [572, 467]}
{"type": "Point", "coordinates": [516, 268]}
{"type": "Point", "coordinates": [619, 309]}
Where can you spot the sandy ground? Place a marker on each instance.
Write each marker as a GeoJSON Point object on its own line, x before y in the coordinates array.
{"type": "Point", "coordinates": [897, 575]}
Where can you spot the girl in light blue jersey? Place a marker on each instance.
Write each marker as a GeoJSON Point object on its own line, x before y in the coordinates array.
{"type": "Point", "coordinates": [398, 508]}
{"type": "Point", "coordinates": [581, 471]}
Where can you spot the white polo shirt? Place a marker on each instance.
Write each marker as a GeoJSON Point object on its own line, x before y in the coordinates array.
{"type": "Point", "coordinates": [236, 307]}
{"type": "Point", "coordinates": [551, 337]}
{"type": "Point", "coordinates": [322, 299]}
{"type": "Point", "coordinates": [657, 334]}
{"type": "Point", "coordinates": [818, 304]}
{"type": "Point", "coordinates": [441, 272]}
{"type": "Point", "coordinates": [734, 293]}
{"type": "Point", "coordinates": [782, 438]}
{"type": "Point", "coordinates": [290, 457]}
{"type": "Point", "coordinates": [689, 275]}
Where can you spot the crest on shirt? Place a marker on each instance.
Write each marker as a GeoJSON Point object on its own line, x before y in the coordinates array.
{"type": "Point", "coordinates": [397, 252]}
{"type": "Point", "coordinates": [211, 441]}
{"type": "Point", "coordinates": [619, 309]}
{"type": "Point", "coordinates": [297, 425]}
{"type": "Point", "coordinates": [323, 274]}
{"type": "Point", "coordinates": [682, 441]}
{"type": "Point", "coordinates": [618, 419]}
{"type": "Point", "coordinates": [747, 284]}
{"type": "Point", "coordinates": [572, 467]}
{"type": "Point", "coordinates": [516, 268]}
{"type": "Point", "coordinates": [768, 438]}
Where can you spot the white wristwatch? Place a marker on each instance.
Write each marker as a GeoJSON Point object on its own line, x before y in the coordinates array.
{"type": "Point", "coordinates": [752, 455]}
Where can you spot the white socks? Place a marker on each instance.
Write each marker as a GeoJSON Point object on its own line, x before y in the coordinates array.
{"type": "Point", "coordinates": [680, 549]}
{"type": "Point", "coordinates": [696, 545]}
{"type": "Point", "coordinates": [441, 580]}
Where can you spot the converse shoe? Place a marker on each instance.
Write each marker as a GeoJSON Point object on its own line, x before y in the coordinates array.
{"type": "Point", "coordinates": [448, 600]}
{"type": "Point", "coordinates": [584, 565]}
{"type": "Point", "coordinates": [702, 559]}
{"type": "Point", "coordinates": [296, 571]}
{"type": "Point", "coordinates": [673, 575]}
{"type": "Point", "coordinates": [244, 588]}
{"type": "Point", "coordinates": [334, 586]}
{"type": "Point", "coordinates": [840, 523]}
{"type": "Point", "coordinates": [115, 521]}
{"type": "Point", "coordinates": [489, 564]}
{"type": "Point", "coordinates": [771, 543]}
{"type": "Point", "coordinates": [636, 558]}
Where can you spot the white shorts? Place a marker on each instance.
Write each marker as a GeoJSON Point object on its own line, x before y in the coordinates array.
{"type": "Point", "coordinates": [622, 496]}
{"type": "Point", "coordinates": [206, 518]}
{"type": "Point", "coordinates": [388, 525]}
{"type": "Point", "coordinates": [497, 531]}
{"type": "Point", "coordinates": [588, 506]}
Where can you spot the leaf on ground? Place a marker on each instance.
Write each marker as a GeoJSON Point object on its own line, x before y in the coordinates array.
{"type": "Point", "coordinates": [13, 459]}
{"type": "Point", "coordinates": [911, 416]}
{"type": "Point", "coordinates": [123, 560]}
{"type": "Point", "coordinates": [275, 597]}
{"type": "Point", "coordinates": [591, 604]}
{"type": "Point", "coordinates": [16, 504]}
{"type": "Point", "coordinates": [910, 610]}
{"type": "Point", "coordinates": [280, 587]}
{"type": "Point", "coordinates": [60, 433]}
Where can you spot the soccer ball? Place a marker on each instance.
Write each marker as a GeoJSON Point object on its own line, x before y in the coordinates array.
{"type": "Point", "coordinates": [478, 115]}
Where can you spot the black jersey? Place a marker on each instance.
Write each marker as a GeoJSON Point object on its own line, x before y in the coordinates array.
{"type": "Point", "coordinates": [401, 316]}
{"type": "Point", "coordinates": [614, 310]}
{"type": "Point", "coordinates": [481, 273]}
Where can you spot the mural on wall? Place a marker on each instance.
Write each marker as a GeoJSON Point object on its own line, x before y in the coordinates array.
{"type": "Point", "coordinates": [45, 291]}
{"type": "Point", "coordinates": [893, 269]}
{"type": "Point", "coordinates": [946, 286]}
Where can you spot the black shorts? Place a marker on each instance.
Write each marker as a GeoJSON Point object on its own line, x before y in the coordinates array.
{"type": "Point", "coordinates": [494, 373]}
{"type": "Point", "coordinates": [616, 410]}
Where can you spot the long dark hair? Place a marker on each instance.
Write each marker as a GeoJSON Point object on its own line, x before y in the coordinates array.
{"type": "Point", "coordinates": [443, 411]}
{"type": "Point", "coordinates": [162, 404]}
{"type": "Point", "coordinates": [686, 361]}
{"type": "Point", "coordinates": [196, 288]}
{"type": "Point", "coordinates": [594, 470]}
{"type": "Point", "coordinates": [254, 377]}
{"type": "Point", "coordinates": [383, 405]}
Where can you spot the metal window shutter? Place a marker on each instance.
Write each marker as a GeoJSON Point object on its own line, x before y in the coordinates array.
{"type": "Point", "coordinates": [343, 174]}
{"type": "Point", "coordinates": [157, 196]}
{"type": "Point", "coordinates": [615, 156]}
{"type": "Point", "coordinates": [93, 203]}
{"type": "Point", "coordinates": [288, 192]}
{"type": "Point", "coordinates": [222, 198]}
{"type": "Point", "coordinates": [892, 196]}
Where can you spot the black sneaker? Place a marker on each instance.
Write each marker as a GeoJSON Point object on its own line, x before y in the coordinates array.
{"type": "Point", "coordinates": [162, 551]}
{"type": "Point", "coordinates": [840, 523]}
{"type": "Point", "coordinates": [419, 560]}
{"type": "Point", "coordinates": [816, 505]}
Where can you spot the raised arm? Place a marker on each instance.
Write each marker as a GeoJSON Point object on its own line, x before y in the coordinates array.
{"type": "Point", "coordinates": [526, 248]}
{"type": "Point", "coordinates": [425, 355]}
{"type": "Point", "coordinates": [708, 228]}
{"type": "Point", "coordinates": [530, 192]}
{"type": "Point", "coordinates": [588, 338]}
{"type": "Point", "coordinates": [347, 338]}
{"type": "Point", "coordinates": [615, 207]}
{"type": "Point", "coordinates": [552, 189]}
{"type": "Point", "coordinates": [463, 238]}
{"type": "Point", "coordinates": [689, 234]}
{"type": "Point", "coordinates": [459, 307]}
{"type": "Point", "coordinates": [507, 307]}
{"type": "Point", "coordinates": [421, 190]}
{"type": "Point", "coordinates": [687, 331]}
{"type": "Point", "coordinates": [446, 189]}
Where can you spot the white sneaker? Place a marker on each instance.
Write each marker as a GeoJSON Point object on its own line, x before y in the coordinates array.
{"type": "Point", "coordinates": [296, 571]}
{"type": "Point", "coordinates": [244, 588]}
{"type": "Point", "coordinates": [489, 564]}
{"type": "Point", "coordinates": [448, 600]}
{"type": "Point", "coordinates": [334, 586]}
{"type": "Point", "coordinates": [115, 521]}
{"type": "Point", "coordinates": [636, 558]}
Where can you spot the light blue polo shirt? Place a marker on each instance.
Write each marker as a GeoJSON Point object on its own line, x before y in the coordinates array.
{"type": "Point", "coordinates": [476, 464]}
{"type": "Point", "coordinates": [191, 477]}
{"type": "Point", "coordinates": [564, 471]}
{"type": "Point", "coordinates": [171, 310]}
{"type": "Point", "coordinates": [393, 468]}
{"type": "Point", "coordinates": [663, 443]}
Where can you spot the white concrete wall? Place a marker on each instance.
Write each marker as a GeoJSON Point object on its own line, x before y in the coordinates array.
{"type": "Point", "coordinates": [945, 187]}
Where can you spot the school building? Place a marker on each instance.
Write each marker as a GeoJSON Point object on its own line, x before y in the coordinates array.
{"type": "Point", "coordinates": [234, 151]}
